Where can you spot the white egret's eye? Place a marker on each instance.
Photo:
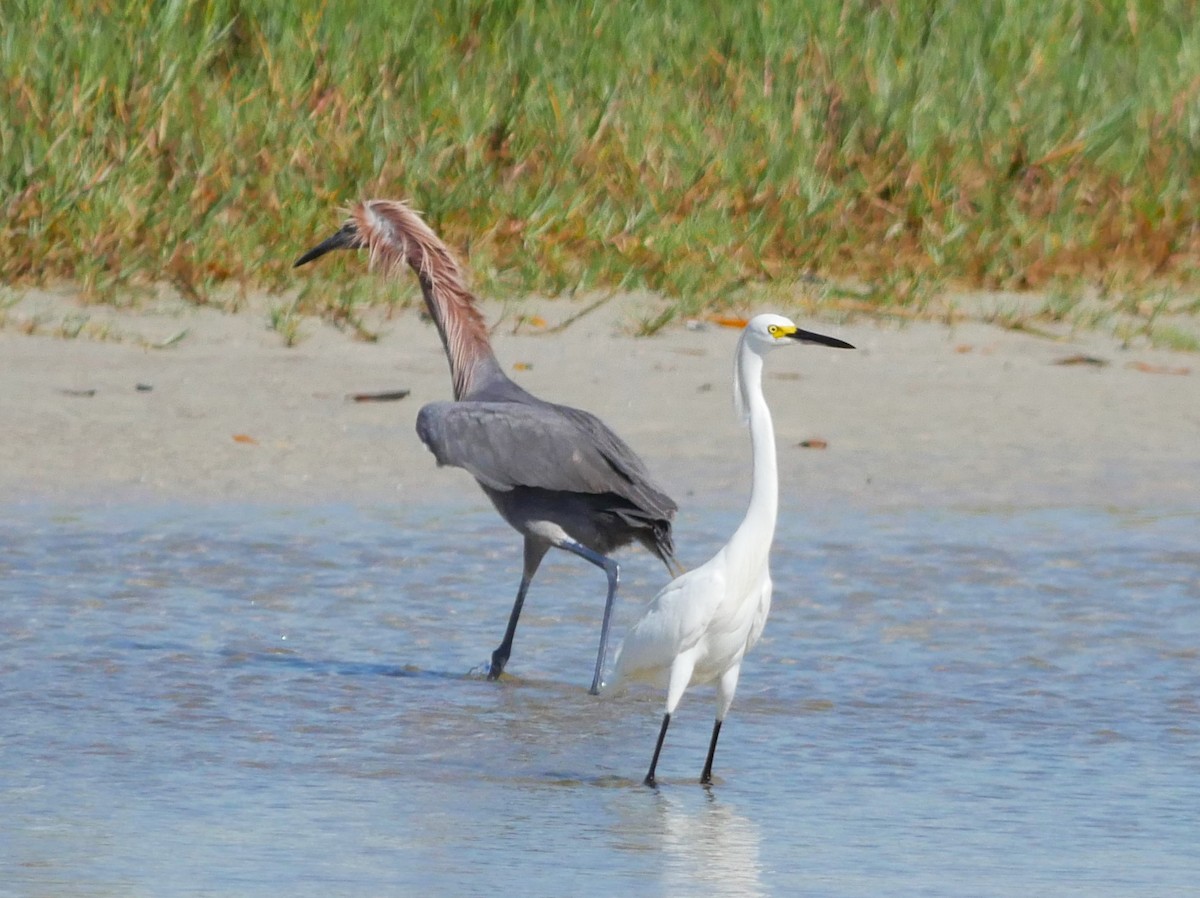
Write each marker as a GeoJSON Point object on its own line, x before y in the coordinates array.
{"type": "Point", "coordinates": [773, 330]}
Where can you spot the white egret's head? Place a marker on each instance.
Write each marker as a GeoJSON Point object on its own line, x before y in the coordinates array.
{"type": "Point", "coordinates": [768, 331]}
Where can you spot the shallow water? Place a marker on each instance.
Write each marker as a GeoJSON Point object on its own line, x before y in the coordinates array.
{"type": "Point", "coordinates": [257, 701]}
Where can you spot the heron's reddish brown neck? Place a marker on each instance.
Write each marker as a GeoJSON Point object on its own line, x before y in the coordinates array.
{"type": "Point", "coordinates": [395, 234]}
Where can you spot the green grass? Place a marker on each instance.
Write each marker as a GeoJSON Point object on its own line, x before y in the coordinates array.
{"type": "Point", "coordinates": [1170, 336]}
{"type": "Point", "coordinates": [706, 151]}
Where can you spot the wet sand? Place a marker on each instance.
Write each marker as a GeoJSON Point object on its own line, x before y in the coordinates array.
{"type": "Point", "coordinates": [922, 414]}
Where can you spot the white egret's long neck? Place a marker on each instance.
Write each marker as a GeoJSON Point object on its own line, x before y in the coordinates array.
{"type": "Point", "coordinates": [756, 531]}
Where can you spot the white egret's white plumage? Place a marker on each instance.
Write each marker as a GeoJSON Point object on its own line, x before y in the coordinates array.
{"type": "Point", "coordinates": [700, 626]}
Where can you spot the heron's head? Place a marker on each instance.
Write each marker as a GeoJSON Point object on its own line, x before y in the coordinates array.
{"type": "Point", "coordinates": [347, 237]}
{"type": "Point", "coordinates": [392, 231]}
{"type": "Point", "coordinates": [765, 332]}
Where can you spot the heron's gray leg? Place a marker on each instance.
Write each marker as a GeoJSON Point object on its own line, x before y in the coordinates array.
{"type": "Point", "coordinates": [613, 570]}
{"type": "Point", "coordinates": [662, 734]}
{"type": "Point", "coordinates": [535, 551]}
{"type": "Point", "coordinates": [706, 776]}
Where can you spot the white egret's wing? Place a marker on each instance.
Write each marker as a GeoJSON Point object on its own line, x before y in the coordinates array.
{"type": "Point", "coordinates": [673, 623]}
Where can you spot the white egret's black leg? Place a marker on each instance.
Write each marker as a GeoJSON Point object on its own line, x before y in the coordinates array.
{"type": "Point", "coordinates": [662, 734]}
{"type": "Point", "coordinates": [706, 776]}
{"type": "Point", "coordinates": [613, 571]}
{"type": "Point", "coordinates": [535, 551]}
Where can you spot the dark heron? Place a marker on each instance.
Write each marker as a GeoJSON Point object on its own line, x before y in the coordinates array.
{"type": "Point", "coordinates": [558, 475]}
{"type": "Point", "coordinates": [700, 626]}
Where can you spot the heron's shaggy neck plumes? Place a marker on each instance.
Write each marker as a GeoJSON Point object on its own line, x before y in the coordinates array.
{"type": "Point", "coordinates": [395, 234]}
{"type": "Point", "coordinates": [757, 529]}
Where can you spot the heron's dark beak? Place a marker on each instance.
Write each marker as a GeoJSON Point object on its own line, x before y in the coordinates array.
{"type": "Point", "coordinates": [820, 339]}
{"type": "Point", "coordinates": [346, 238]}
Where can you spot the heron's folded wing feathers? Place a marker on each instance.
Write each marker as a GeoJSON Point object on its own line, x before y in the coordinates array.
{"type": "Point", "coordinates": [509, 444]}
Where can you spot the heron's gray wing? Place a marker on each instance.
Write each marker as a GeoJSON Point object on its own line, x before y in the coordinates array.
{"type": "Point", "coordinates": [509, 444]}
{"type": "Point", "coordinates": [640, 487]}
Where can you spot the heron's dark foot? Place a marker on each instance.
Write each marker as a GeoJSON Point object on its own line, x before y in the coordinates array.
{"type": "Point", "coordinates": [650, 781]}
{"type": "Point", "coordinates": [497, 668]}
{"type": "Point", "coordinates": [706, 780]}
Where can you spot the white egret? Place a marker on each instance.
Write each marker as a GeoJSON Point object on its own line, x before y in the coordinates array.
{"type": "Point", "coordinates": [700, 626]}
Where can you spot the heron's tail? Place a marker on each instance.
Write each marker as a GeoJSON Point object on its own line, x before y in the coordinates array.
{"type": "Point", "coordinates": [663, 545]}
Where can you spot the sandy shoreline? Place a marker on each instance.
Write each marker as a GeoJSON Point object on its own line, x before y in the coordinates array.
{"type": "Point", "coordinates": [920, 415]}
